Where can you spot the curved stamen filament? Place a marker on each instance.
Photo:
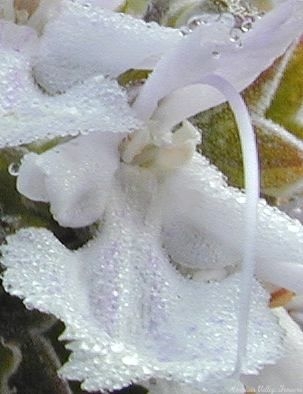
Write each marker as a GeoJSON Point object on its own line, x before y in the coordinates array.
{"type": "Point", "coordinates": [252, 188]}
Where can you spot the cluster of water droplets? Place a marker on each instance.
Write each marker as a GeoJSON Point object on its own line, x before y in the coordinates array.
{"type": "Point", "coordinates": [238, 14]}
{"type": "Point", "coordinates": [244, 18]}
{"type": "Point", "coordinates": [13, 168]}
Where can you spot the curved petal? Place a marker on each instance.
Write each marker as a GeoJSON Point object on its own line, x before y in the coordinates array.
{"type": "Point", "coordinates": [209, 50]}
{"type": "Point", "coordinates": [287, 372]}
{"type": "Point", "coordinates": [74, 177]}
{"type": "Point", "coordinates": [295, 309]}
{"type": "Point", "coordinates": [27, 114]}
{"type": "Point", "coordinates": [86, 40]}
{"type": "Point", "coordinates": [18, 41]}
{"type": "Point", "coordinates": [191, 246]}
{"type": "Point", "coordinates": [36, 13]}
{"type": "Point", "coordinates": [123, 273]}
{"type": "Point", "coordinates": [207, 203]}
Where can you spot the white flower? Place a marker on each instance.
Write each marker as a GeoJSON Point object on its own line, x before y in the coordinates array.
{"type": "Point", "coordinates": [129, 314]}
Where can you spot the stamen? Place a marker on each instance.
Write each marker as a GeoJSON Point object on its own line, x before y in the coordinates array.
{"type": "Point", "coordinates": [252, 188]}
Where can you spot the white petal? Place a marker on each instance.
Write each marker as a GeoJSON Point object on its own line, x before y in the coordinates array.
{"type": "Point", "coordinates": [284, 274]}
{"type": "Point", "coordinates": [31, 178]}
{"type": "Point", "coordinates": [296, 304]}
{"type": "Point", "coordinates": [209, 50]}
{"type": "Point", "coordinates": [27, 114]}
{"type": "Point", "coordinates": [287, 372]}
{"type": "Point", "coordinates": [295, 309]}
{"type": "Point", "coordinates": [204, 201]}
{"type": "Point", "coordinates": [191, 246]}
{"type": "Point", "coordinates": [17, 40]}
{"type": "Point", "coordinates": [85, 41]}
{"type": "Point", "coordinates": [74, 177]}
{"type": "Point", "coordinates": [129, 314]}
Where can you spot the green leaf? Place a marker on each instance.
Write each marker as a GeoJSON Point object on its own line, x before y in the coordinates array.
{"type": "Point", "coordinates": [288, 99]}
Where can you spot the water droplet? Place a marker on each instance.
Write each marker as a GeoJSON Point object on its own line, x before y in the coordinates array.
{"type": "Point", "coordinates": [246, 25]}
{"type": "Point", "coordinates": [203, 19]}
{"type": "Point", "coordinates": [96, 348]}
{"type": "Point", "coordinates": [216, 54]}
{"type": "Point", "coordinates": [184, 30]}
{"type": "Point", "coordinates": [234, 35]}
{"type": "Point", "coordinates": [13, 169]}
{"type": "Point", "coordinates": [130, 360]}
{"type": "Point", "coordinates": [117, 347]}
{"type": "Point", "coordinates": [194, 22]}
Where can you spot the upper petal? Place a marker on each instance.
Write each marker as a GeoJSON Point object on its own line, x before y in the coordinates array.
{"type": "Point", "coordinates": [85, 40]}
{"type": "Point", "coordinates": [74, 177]}
{"type": "Point", "coordinates": [206, 203]}
{"type": "Point", "coordinates": [27, 114]}
{"type": "Point", "coordinates": [209, 50]}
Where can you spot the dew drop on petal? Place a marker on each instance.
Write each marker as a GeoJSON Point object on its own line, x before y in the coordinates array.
{"type": "Point", "coordinates": [198, 20]}
{"type": "Point", "coordinates": [194, 22]}
{"type": "Point", "coordinates": [117, 347]}
{"type": "Point", "coordinates": [246, 26]}
{"type": "Point", "coordinates": [234, 35]}
{"type": "Point", "coordinates": [215, 54]}
{"type": "Point", "coordinates": [13, 169]}
{"type": "Point", "coordinates": [184, 30]}
{"type": "Point", "coordinates": [130, 360]}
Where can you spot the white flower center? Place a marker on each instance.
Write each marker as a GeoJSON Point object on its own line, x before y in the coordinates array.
{"type": "Point", "coordinates": [152, 147]}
